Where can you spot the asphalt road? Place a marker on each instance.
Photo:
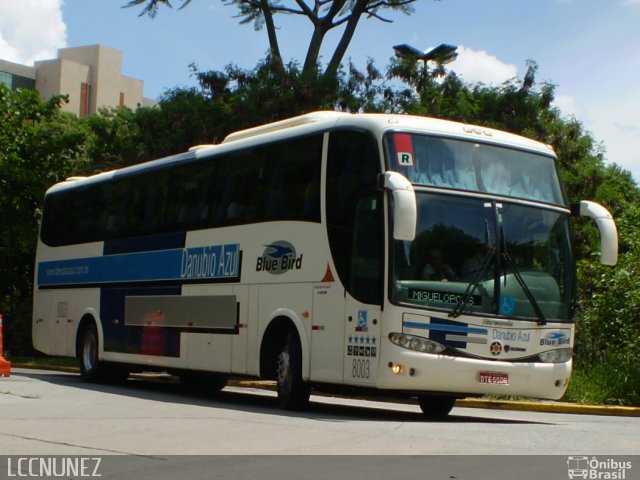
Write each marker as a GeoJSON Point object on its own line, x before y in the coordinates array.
{"type": "Point", "coordinates": [52, 413]}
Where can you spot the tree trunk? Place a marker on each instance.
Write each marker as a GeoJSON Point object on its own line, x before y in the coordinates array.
{"type": "Point", "coordinates": [347, 35]}
{"type": "Point", "coordinates": [313, 52]}
{"type": "Point", "coordinates": [274, 48]}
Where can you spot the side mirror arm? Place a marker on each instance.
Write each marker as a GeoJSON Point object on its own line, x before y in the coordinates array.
{"type": "Point", "coordinates": [606, 225]}
{"type": "Point", "coordinates": [404, 204]}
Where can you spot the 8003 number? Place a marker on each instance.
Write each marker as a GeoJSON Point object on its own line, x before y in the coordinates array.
{"type": "Point", "coordinates": [361, 368]}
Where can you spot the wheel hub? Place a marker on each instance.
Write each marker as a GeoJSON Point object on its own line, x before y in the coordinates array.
{"type": "Point", "coordinates": [88, 352]}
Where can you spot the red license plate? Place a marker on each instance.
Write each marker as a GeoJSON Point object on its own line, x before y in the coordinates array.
{"type": "Point", "coordinates": [494, 378]}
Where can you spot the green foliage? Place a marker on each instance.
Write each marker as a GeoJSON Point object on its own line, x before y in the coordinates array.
{"type": "Point", "coordinates": [151, 6]}
{"type": "Point", "coordinates": [266, 93]}
{"type": "Point", "coordinates": [183, 118]}
{"type": "Point", "coordinates": [38, 147]}
{"type": "Point", "coordinates": [608, 328]}
{"type": "Point", "coordinates": [613, 383]}
{"type": "Point", "coordinates": [112, 140]}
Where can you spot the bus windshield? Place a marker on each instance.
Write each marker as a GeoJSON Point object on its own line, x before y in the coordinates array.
{"type": "Point", "coordinates": [465, 165]}
{"type": "Point", "coordinates": [486, 257]}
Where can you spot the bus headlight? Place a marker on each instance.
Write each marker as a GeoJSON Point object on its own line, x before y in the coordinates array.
{"type": "Point", "coordinates": [559, 355]}
{"type": "Point", "coordinates": [413, 342]}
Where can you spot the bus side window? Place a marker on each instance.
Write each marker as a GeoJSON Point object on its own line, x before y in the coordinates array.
{"type": "Point", "coordinates": [294, 176]}
{"type": "Point", "coordinates": [352, 171]}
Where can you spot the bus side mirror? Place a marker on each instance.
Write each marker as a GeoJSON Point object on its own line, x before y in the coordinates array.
{"type": "Point", "coordinates": [607, 227]}
{"type": "Point", "coordinates": [404, 204]}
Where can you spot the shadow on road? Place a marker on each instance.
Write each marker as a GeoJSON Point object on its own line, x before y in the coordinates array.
{"type": "Point", "coordinates": [262, 401]}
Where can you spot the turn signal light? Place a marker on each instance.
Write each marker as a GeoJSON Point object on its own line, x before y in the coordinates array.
{"type": "Point", "coordinates": [396, 368]}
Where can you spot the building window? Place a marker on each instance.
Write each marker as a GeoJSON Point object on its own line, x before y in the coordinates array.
{"type": "Point", "coordinates": [84, 99]}
{"type": "Point", "coordinates": [121, 99]}
{"type": "Point", "coordinates": [5, 78]}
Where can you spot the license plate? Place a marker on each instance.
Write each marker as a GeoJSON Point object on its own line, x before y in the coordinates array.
{"type": "Point", "coordinates": [494, 378]}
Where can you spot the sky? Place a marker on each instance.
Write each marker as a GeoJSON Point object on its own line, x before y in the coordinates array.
{"type": "Point", "coordinates": [590, 49]}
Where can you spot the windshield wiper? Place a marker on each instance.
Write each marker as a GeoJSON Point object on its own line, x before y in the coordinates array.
{"type": "Point", "coordinates": [473, 284]}
{"type": "Point", "coordinates": [516, 273]}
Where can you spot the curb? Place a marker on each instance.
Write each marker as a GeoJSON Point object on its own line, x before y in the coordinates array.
{"type": "Point", "coordinates": [49, 368]}
{"type": "Point", "coordinates": [550, 407]}
{"type": "Point", "coordinates": [527, 406]}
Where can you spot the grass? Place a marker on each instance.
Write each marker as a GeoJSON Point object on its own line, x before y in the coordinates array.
{"type": "Point", "coordinates": [44, 362]}
{"type": "Point", "coordinates": [602, 384]}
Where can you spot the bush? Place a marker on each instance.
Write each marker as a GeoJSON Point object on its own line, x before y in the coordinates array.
{"type": "Point", "coordinates": [608, 322]}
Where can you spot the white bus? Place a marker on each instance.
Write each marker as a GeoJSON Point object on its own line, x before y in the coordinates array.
{"type": "Point", "coordinates": [382, 253]}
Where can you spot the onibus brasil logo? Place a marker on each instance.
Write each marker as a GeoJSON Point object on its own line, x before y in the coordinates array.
{"type": "Point", "coordinates": [597, 469]}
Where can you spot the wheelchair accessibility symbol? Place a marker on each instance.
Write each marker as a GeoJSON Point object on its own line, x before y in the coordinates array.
{"type": "Point", "coordinates": [507, 305]}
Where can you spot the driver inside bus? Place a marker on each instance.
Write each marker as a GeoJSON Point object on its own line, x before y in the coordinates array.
{"type": "Point", "coordinates": [437, 269]}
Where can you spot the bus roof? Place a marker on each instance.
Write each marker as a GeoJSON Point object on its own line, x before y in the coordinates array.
{"type": "Point", "coordinates": [380, 122]}
{"type": "Point", "coordinates": [321, 121]}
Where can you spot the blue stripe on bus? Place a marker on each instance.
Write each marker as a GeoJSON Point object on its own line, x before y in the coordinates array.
{"type": "Point", "coordinates": [445, 328]}
{"type": "Point", "coordinates": [215, 262]}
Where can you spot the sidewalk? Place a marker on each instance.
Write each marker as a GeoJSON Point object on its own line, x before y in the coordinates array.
{"type": "Point", "coordinates": [530, 406]}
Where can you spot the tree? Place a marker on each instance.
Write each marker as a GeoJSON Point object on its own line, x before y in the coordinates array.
{"type": "Point", "coordinates": [323, 15]}
{"type": "Point", "coordinates": [608, 330]}
{"type": "Point", "coordinates": [38, 147]}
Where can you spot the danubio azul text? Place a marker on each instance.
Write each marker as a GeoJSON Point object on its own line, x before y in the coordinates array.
{"type": "Point", "coordinates": [218, 261]}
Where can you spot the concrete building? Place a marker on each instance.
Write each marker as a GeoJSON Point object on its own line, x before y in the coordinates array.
{"type": "Point", "coordinates": [15, 76]}
{"type": "Point", "coordinates": [90, 75]}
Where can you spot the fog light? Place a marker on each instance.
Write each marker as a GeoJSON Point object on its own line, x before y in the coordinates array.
{"type": "Point", "coordinates": [397, 369]}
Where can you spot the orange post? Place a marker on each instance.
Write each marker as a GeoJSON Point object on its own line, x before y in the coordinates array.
{"type": "Point", "coordinates": [5, 365]}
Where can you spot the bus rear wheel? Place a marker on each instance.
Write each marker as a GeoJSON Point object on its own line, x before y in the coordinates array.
{"type": "Point", "coordinates": [88, 354]}
{"type": "Point", "coordinates": [92, 369]}
{"type": "Point", "coordinates": [293, 392]}
{"type": "Point", "coordinates": [435, 406]}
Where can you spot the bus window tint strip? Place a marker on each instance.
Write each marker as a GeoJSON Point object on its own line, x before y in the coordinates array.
{"type": "Point", "coordinates": [274, 182]}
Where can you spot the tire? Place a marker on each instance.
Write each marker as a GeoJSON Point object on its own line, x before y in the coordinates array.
{"type": "Point", "coordinates": [88, 354]}
{"type": "Point", "coordinates": [202, 382]}
{"type": "Point", "coordinates": [92, 370]}
{"type": "Point", "coordinates": [435, 406]}
{"type": "Point", "coordinates": [293, 393]}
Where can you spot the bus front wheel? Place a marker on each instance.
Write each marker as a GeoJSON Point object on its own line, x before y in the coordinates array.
{"type": "Point", "coordinates": [435, 406]}
{"type": "Point", "coordinates": [293, 393]}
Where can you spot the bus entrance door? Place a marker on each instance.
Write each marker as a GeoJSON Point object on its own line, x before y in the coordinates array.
{"type": "Point", "coordinates": [327, 330]}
